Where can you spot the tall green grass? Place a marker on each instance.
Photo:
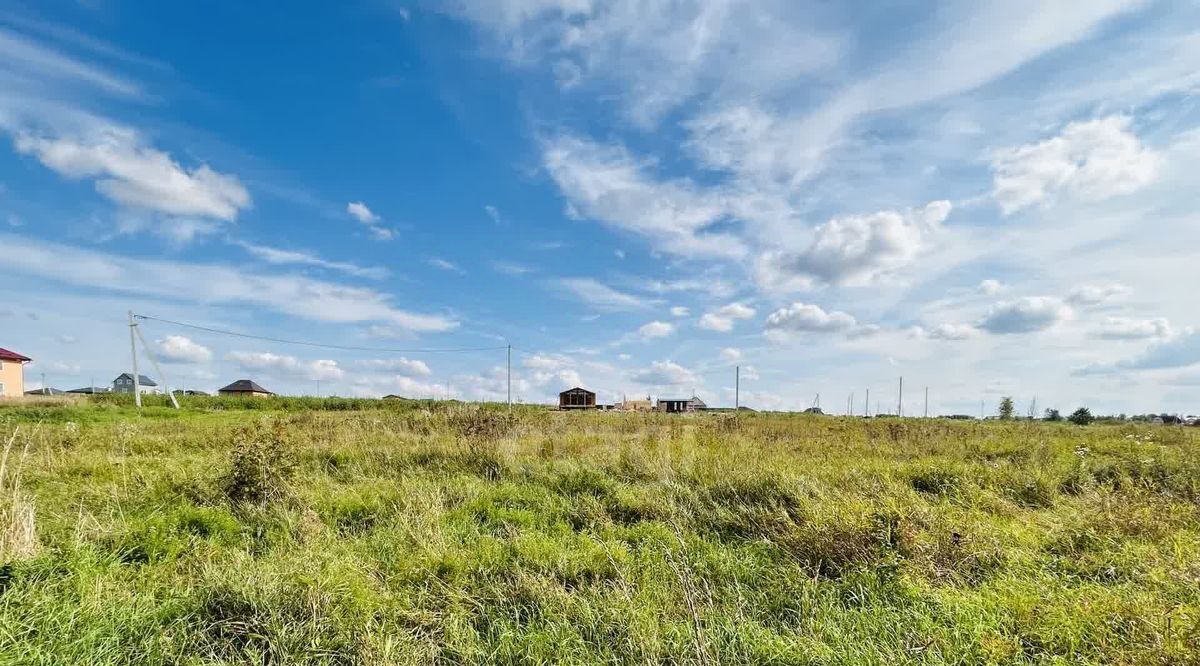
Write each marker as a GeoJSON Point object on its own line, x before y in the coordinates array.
{"type": "Point", "coordinates": [415, 533]}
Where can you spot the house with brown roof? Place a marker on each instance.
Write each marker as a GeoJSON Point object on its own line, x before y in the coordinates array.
{"type": "Point", "coordinates": [245, 387]}
{"type": "Point", "coordinates": [12, 373]}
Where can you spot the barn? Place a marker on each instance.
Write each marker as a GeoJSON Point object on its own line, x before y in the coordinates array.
{"type": "Point", "coordinates": [577, 398]}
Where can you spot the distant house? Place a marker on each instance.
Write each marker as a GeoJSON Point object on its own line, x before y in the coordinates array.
{"type": "Point", "coordinates": [189, 392]}
{"type": "Point", "coordinates": [635, 405]}
{"type": "Point", "coordinates": [46, 390]}
{"type": "Point", "coordinates": [12, 373]}
{"type": "Point", "coordinates": [245, 387]}
{"type": "Point", "coordinates": [124, 384]}
{"type": "Point", "coordinates": [681, 405]}
{"type": "Point", "coordinates": [91, 389]}
{"type": "Point", "coordinates": [577, 398]}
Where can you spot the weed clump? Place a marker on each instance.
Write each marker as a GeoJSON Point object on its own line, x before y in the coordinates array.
{"type": "Point", "coordinates": [262, 465]}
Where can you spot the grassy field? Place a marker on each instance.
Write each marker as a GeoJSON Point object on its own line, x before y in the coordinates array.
{"type": "Point", "coordinates": [348, 532]}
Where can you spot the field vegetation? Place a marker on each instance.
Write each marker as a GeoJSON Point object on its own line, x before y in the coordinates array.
{"type": "Point", "coordinates": [362, 532]}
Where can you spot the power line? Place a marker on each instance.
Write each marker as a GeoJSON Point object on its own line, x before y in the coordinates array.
{"type": "Point", "coordinates": [390, 350]}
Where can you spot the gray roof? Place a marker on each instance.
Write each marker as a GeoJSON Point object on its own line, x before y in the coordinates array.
{"type": "Point", "coordinates": [90, 389]}
{"type": "Point", "coordinates": [243, 386]}
{"type": "Point", "coordinates": [143, 380]}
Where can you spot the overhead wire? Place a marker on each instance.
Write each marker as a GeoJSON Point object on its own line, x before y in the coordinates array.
{"type": "Point", "coordinates": [321, 345]}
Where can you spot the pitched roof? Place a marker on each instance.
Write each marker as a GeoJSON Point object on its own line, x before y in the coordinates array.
{"type": "Point", "coordinates": [572, 390]}
{"type": "Point", "coordinates": [243, 386]}
{"type": "Point", "coordinates": [90, 389]}
{"type": "Point", "coordinates": [44, 391]}
{"type": "Point", "coordinates": [6, 355]}
{"type": "Point", "coordinates": [143, 380]}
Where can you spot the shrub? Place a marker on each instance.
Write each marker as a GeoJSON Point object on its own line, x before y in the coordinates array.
{"type": "Point", "coordinates": [261, 466]}
{"type": "Point", "coordinates": [1082, 416]}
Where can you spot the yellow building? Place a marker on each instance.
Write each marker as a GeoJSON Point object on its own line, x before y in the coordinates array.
{"type": "Point", "coordinates": [12, 373]}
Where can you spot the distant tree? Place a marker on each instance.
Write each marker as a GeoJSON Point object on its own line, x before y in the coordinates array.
{"type": "Point", "coordinates": [1053, 415]}
{"type": "Point", "coordinates": [1006, 408]}
{"type": "Point", "coordinates": [1081, 416]}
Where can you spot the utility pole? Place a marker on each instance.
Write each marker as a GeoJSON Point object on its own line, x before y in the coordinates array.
{"type": "Point", "coordinates": [926, 402]}
{"type": "Point", "coordinates": [158, 369]}
{"type": "Point", "coordinates": [900, 403]}
{"type": "Point", "coordinates": [867, 404]}
{"type": "Point", "coordinates": [850, 404]}
{"type": "Point", "coordinates": [137, 384]}
{"type": "Point", "coordinates": [980, 410]}
{"type": "Point", "coordinates": [737, 387]}
{"type": "Point", "coordinates": [509, 363]}
{"type": "Point", "coordinates": [43, 383]}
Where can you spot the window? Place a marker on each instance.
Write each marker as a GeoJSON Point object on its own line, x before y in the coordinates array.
{"type": "Point", "coordinates": [1, 388]}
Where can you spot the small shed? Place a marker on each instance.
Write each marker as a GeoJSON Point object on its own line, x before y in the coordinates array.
{"type": "Point", "coordinates": [577, 398]}
{"type": "Point", "coordinates": [245, 387]}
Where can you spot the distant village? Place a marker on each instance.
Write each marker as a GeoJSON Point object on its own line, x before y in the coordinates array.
{"type": "Point", "coordinates": [12, 384]}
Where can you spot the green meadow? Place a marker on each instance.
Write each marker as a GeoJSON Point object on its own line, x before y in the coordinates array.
{"type": "Point", "coordinates": [361, 532]}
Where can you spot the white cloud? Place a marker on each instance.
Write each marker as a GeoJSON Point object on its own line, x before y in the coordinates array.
{"type": "Point", "coordinates": [602, 297]}
{"type": "Point", "coordinates": [731, 354]}
{"type": "Point", "coordinates": [854, 249]}
{"type": "Point", "coordinates": [445, 265]}
{"type": "Point", "coordinates": [608, 184]}
{"type": "Point", "coordinates": [139, 177]}
{"type": "Point", "coordinates": [665, 373]}
{"type": "Point", "coordinates": [1124, 328]}
{"type": "Point", "coordinates": [655, 329]}
{"type": "Point", "coordinates": [493, 213]}
{"type": "Point", "coordinates": [722, 319]}
{"type": "Point", "coordinates": [511, 268]}
{"type": "Point", "coordinates": [30, 59]}
{"type": "Point", "coordinates": [279, 257]}
{"type": "Point", "coordinates": [991, 287]}
{"type": "Point", "coordinates": [1090, 161]}
{"type": "Point", "coordinates": [180, 349]}
{"type": "Point", "coordinates": [1025, 315]}
{"type": "Point", "coordinates": [1090, 295]}
{"type": "Point", "coordinates": [302, 297]}
{"type": "Point", "coordinates": [952, 332]}
{"type": "Point", "coordinates": [401, 366]}
{"type": "Point", "coordinates": [680, 311]}
{"type": "Point", "coordinates": [287, 366]}
{"type": "Point", "coordinates": [546, 362]}
{"type": "Point", "coordinates": [808, 318]}
{"type": "Point", "coordinates": [370, 220]}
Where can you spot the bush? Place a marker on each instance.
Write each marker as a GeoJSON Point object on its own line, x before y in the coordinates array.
{"type": "Point", "coordinates": [261, 466]}
{"type": "Point", "coordinates": [1082, 416]}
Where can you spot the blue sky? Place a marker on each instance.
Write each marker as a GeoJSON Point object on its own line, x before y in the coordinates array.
{"type": "Point", "coordinates": [988, 198]}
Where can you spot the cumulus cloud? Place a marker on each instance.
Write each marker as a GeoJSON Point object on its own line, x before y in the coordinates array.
{"type": "Point", "coordinates": [1090, 160]}
{"type": "Point", "coordinates": [665, 373]}
{"type": "Point", "coordinates": [731, 354]}
{"type": "Point", "coordinates": [180, 349]}
{"type": "Point", "coordinates": [1024, 315]}
{"type": "Point", "coordinates": [401, 366]}
{"type": "Point", "coordinates": [680, 311]}
{"type": "Point", "coordinates": [655, 329]}
{"type": "Point", "coordinates": [808, 318]}
{"type": "Point", "coordinates": [1180, 351]}
{"type": "Point", "coordinates": [854, 249]}
{"type": "Point", "coordinates": [1091, 295]}
{"type": "Point", "coordinates": [722, 319]}
{"type": "Point", "coordinates": [991, 287]}
{"type": "Point", "coordinates": [374, 224]}
{"type": "Point", "coordinates": [287, 366]}
{"type": "Point", "coordinates": [1124, 328]}
{"type": "Point", "coordinates": [141, 178]}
